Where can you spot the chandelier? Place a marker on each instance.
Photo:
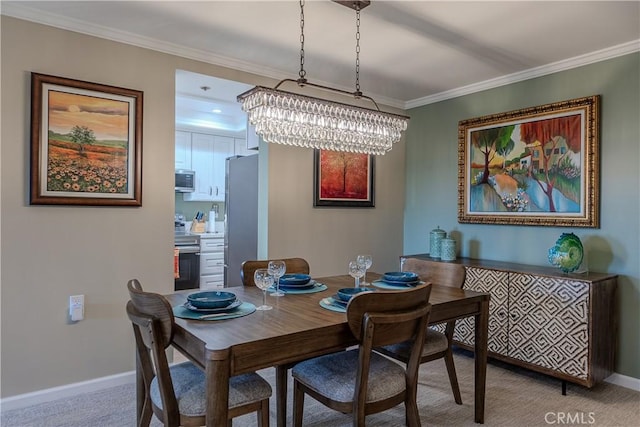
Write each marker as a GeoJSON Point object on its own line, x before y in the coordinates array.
{"type": "Point", "coordinates": [283, 117]}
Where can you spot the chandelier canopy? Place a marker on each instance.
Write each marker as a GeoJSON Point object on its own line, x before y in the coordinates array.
{"type": "Point", "coordinates": [283, 117]}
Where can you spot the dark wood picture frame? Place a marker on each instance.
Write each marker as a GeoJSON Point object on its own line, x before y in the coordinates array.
{"type": "Point", "coordinates": [534, 166]}
{"type": "Point", "coordinates": [86, 143]}
{"type": "Point", "coordinates": [343, 179]}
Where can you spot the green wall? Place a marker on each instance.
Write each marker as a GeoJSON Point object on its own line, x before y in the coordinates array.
{"type": "Point", "coordinates": [431, 183]}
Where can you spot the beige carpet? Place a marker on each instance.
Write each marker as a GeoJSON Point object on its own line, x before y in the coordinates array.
{"type": "Point", "coordinates": [515, 397]}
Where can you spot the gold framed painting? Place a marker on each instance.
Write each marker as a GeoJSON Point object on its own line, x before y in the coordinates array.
{"type": "Point", "coordinates": [343, 179]}
{"type": "Point", "coordinates": [86, 143]}
{"type": "Point", "coordinates": [534, 166]}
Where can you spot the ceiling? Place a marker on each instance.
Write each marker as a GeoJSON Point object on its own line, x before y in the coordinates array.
{"type": "Point", "coordinates": [411, 52]}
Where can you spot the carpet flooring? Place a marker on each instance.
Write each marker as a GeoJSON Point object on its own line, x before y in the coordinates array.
{"type": "Point", "coordinates": [515, 397]}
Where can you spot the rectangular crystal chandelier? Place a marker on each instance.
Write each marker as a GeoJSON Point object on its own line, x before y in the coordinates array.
{"type": "Point", "coordinates": [289, 118]}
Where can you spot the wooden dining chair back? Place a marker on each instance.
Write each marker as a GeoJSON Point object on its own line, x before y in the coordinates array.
{"type": "Point", "coordinates": [437, 344]}
{"type": "Point", "coordinates": [293, 265]}
{"type": "Point", "coordinates": [360, 381]}
{"type": "Point", "coordinates": [177, 394]}
{"type": "Point", "coordinates": [439, 273]}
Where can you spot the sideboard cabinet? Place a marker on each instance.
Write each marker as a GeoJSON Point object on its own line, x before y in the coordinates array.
{"type": "Point", "coordinates": [564, 325]}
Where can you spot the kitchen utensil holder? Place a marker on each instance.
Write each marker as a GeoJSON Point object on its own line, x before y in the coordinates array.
{"type": "Point", "coordinates": [198, 227]}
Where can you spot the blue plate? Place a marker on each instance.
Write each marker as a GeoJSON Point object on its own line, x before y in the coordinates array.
{"type": "Point", "coordinates": [335, 299]}
{"type": "Point", "coordinates": [211, 299]}
{"type": "Point", "coordinates": [295, 280]}
{"type": "Point", "coordinates": [309, 285]}
{"type": "Point", "coordinates": [401, 283]}
{"type": "Point", "coordinates": [295, 290]}
{"type": "Point", "coordinates": [330, 304]}
{"type": "Point", "coordinates": [345, 294]}
{"type": "Point", "coordinates": [400, 276]}
{"type": "Point", "coordinates": [226, 309]}
{"type": "Point", "coordinates": [383, 284]}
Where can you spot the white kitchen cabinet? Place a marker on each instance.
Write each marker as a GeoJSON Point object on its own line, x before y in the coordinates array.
{"type": "Point", "coordinates": [183, 150]}
{"type": "Point", "coordinates": [211, 261]}
{"type": "Point", "coordinates": [223, 149]}
{"type": "Point", "coordinates": [241, 148]}
{"type": "Point", "coordinates": [208, 156]}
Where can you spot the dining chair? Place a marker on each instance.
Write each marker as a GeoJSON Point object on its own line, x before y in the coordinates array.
{"type": "Point", "coordinates": [437, 344]}
{"type": "Point", "coordinates": [177, 394]}
{"type": "Point", "coordinates": [360, 381]}
{"type": "Point", "coordinates": [293, 265]}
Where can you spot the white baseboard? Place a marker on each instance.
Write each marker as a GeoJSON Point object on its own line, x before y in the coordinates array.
{"type": "Point", "coordinates": [68, 390]}
{"type": "Point", "coordinates": [624, 381]}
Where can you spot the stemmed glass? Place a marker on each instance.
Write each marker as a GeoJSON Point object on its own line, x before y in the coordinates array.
{"type": "Point", "coordinates": [366, 261]}
{"type": "Point", "coordinates": [263, 280]}
{"type": "Point", "coordinates": [277, 270]}
{"type": "Point", "coordinates": [356, 271]}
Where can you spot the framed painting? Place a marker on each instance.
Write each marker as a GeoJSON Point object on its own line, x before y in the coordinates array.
{"type": "Point", "coordinates": [343, 179]}
{"type": "Point", "coordinates": [86, 143]}
{"type": "Point", "coordinates": [535, 166]}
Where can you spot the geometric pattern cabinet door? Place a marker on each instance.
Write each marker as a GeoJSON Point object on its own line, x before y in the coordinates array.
{"type": "Point", "coordinates": [497, 284]}
{"type": "Point", "coordinates": [548, 323]}
{"type": "Point", "coordinates": [564, 325]}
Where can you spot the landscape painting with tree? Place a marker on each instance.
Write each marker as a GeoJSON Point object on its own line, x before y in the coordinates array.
{"type": "Point", "coordinates": [343, 179]}
{"type": "Point", "coordinates": [85, 143]}
{"type": "Point", "coordinates": [536, 166]}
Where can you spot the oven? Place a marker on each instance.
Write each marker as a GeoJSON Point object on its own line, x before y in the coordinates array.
{"type": "Point", "coordinates": [188, 261]}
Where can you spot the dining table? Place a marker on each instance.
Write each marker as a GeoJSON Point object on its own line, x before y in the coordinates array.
{"type": "Point", "coordinates": [298, 328]}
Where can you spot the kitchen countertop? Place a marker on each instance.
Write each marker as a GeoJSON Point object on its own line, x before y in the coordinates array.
{"type": "Point", "coordinates": [209, 235]}
{"type": "Point", "coordinates": [205, 235]}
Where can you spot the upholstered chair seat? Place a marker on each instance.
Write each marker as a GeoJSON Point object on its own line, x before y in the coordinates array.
{"type": "Point", "coordinates": [335, 375]}
{"type": "Point", "coordinates": [435, 342]}
{"type": "Point", "coordinates": [190, 389]}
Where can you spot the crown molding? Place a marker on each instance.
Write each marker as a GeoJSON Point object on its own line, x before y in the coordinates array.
{"type": "Point", "coordinates": [566, 64]}
{"type": "Point", "coordinates": [21, 11]}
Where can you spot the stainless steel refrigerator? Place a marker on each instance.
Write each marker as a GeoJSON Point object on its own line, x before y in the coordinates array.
{"type": "Point", "coordinates": [241, 209]}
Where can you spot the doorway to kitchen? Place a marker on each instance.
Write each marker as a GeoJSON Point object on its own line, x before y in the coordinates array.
{"type": "Point", "coordinates": [210, 128]}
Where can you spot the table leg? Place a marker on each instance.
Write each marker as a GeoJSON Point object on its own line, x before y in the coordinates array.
{"type": "Point", "coordinates": [481, 339]}
{"type": "Point", "coordinates": [143, 401]}
{"type": "Point", "coordinates": [281, 395]}
{"type": "Point", "coordinates": [218, 370]}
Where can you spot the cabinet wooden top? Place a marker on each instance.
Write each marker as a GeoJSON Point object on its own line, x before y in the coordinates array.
{"type": "Point", "coordinates": [520, 268]}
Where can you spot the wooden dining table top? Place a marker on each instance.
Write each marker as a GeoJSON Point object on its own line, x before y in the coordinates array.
{"type": "Point", "coordinates": [297, 327]}
{"type": "Point", "coordinates": [291, 314]}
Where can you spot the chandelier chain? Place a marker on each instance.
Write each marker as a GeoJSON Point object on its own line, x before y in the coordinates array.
{"type": "Point", "coordinates": [358, 93]}
{"type": "Point", "coordinates": [302, 72]}
{"type": "Point", "coordinates": [294, 119]}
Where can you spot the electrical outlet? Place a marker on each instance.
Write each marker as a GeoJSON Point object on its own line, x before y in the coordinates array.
{"type": "Point", "coordinates": [76, 307]}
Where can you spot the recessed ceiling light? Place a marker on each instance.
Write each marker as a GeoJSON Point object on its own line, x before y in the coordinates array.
{"type": "Point", "coordinates": [216, 110]}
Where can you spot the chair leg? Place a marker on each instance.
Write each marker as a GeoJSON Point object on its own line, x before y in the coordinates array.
{"type": "Point", "coordinates": [263, 414]}
{"type": "Point", "coordinates": [358, 418]}
{"type": "Point", "coordinates": [412, 415]}
{"type": "Point", "coordinates": [453, 379]}
{"type": "Point", "coordinates": [281, 395]}
{"type": "Point", "coordinates": [143, 401]}
{"type": "Point", "coordinates": [298, 404]}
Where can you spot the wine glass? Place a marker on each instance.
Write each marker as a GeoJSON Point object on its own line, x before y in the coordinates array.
{"type": "Point", "coordinates": [263, 280]}
{"type": "Point", "coordinates": [356, 271]}
{"type": "Point", "coordinates": [277, 270]}
{"type": "Point", "coordinates": [366, 261]}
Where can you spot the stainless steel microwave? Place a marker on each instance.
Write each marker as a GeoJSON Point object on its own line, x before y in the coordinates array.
{"type": "Point", "coordinates": [185, 181]}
